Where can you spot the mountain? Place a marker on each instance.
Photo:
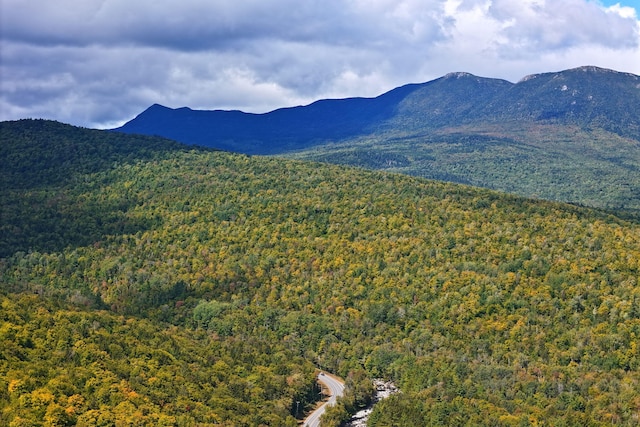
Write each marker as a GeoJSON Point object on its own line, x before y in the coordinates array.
{"type": "Point", "coordinates": [585, 97]}
{"type": "Point", "coordinates": [274, 132]}
{"type": "Point", "coordinates": [570, 136]}
{"type": "Point", "coordinates": [588, 97]}
{"type": "Point", "coordinates": [199, 287]}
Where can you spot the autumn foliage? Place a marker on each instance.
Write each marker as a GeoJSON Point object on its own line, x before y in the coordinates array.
{"type": "Point", "coordinates": [233, 278]}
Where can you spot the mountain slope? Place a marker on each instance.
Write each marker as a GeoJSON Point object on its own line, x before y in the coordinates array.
{"type": "Point", "coordinates": [585, 97]}
{"type": "Point", "coordinates": [52, 153]}
{"type": "Point", "coordinates": [591, 167]}
{"type": "Point", "coordinates": [274, 132]}
{"type": "Point", "coordinates": [572, 136]}
{"type": "Point", "coordinates": [485, 308]}
{"type": "Point", "coordinates": [42, 164]}
{"type": "Point", "coordinates": [569, 136]}
{"type": "Point", "coordinates": [589, 97]}
{"type": "Point", "coordinates": [452, 100]}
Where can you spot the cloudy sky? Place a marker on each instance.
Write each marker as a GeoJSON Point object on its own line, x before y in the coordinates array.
{"type": "Point", "coordinates": [98, 63]}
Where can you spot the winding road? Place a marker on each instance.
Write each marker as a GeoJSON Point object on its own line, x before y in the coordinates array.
{"type": "Point", "coordinates": [336, 389]}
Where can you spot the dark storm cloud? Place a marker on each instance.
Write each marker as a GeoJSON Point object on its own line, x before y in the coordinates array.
{"type": "Point", "coordinates": [194, 24]}
{"type": "Point", "coordinates": [100, 62]}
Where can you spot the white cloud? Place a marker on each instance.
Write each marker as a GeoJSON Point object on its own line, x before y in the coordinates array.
{"type": "Point", "coordinates": [100, 62]}
{"type": "Point", "coordinates": [624, 11]}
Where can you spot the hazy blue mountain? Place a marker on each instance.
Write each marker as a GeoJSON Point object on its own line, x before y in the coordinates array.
{"type": "Point", "coordinates": [274, 132]}
{"type": "Point", "coordinates": [586, 96]}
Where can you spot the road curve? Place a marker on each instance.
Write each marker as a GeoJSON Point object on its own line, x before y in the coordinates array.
{"type": "Point", "coordinates": [336, 388]}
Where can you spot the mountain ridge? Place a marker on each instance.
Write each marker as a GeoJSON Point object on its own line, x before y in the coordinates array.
{"type": "Point", "coordinates": [256, 133]}
{"type": "Point", "coordinates": [584, 96]}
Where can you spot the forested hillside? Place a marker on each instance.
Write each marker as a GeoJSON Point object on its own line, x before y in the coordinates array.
{"type": "Point", "coordinates": [43, 165]}
{"type": "Point", "coordinates": [590, 167]}
{"type": "Point", "coordinates": [240, 275]}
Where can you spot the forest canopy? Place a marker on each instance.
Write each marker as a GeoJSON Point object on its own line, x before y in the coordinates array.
{"type": "Point", "coordinates": [192, 286]}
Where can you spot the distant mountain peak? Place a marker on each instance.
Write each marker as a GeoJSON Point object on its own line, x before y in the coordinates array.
{"type": "Point", "coordinates": [529, 77]}
{"type": "Point", "coordinates": [592, 69]}
{"type": "Point", "coordinates": [458, 75]}
{"type": "Point", "coordinates": [158, 107]}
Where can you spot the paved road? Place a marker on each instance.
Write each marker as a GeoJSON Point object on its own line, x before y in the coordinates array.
{"type": "Point", "coordinates": [336, 388]}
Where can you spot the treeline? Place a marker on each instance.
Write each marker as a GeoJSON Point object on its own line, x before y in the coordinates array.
{"type": "Point", "coordinates": [486, 309]}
